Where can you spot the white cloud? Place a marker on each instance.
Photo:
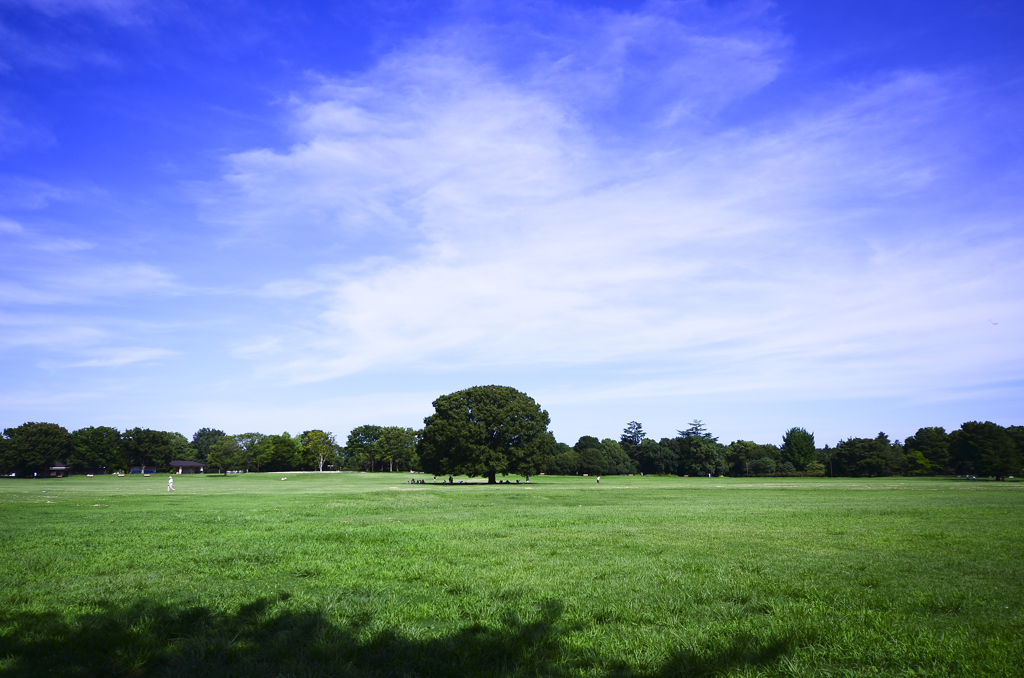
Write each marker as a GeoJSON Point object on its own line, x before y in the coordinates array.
{"type": "Point", "coordinates": [266, 347]}
{"type": "Point", "coordinates": [25, 193]}
{"type": "Point", "coordinates": [88, 284]}
{"type": "Point", "coordinates": [821, 251]}
{"type": "Point", "coordinates": [116, 357]}
{"type": "Point", "coordinates": [48, 331]}
{"type": "Point", "coordinates": [290, 289]}
{"type": "Point", "coordinates": [63, 245]}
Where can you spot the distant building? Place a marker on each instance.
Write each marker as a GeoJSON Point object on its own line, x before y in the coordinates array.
{"type": "Point", "coordinates": [187, 466]}
{"type": "Point", "coordinates": [60, 470]}
{"type": "Point", "coordinates": [139, 469]}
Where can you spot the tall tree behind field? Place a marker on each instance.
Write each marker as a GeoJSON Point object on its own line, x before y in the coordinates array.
{"type": "Point", "coordinates": [592, 458]}
{"type": "Point", "coordinates": [280, 453]}
{"type": "Point", "coordinates": [250, 444]}
{"type": "Point", "coordinates": [562, 461]}
{"type": "Point", "coordinates": [798, 448]}
{"type": "Point", "coordinates": [146, 447]}
{"type": "Point", "coordinates": [867, 457]}
{"type": "Point", "coordinates": [203, 439]}
{"type": "Point", "coordinates": [747, 458]}
{"type": "Point", "coordinates": [660, 457]}
{"type": "Point", "coordinates": [927, 451]}
{"type": "Point", "coordinates": [985, 448]}
{"type": "Point", "coordinates": [484, 431]}
{"type": "Point", "coordinates": [700, 454]}
{"type": "Point", "coordinates": [97, 447]}
{"type": "Point", "coordinates": [618, 461]}
{"type": "Point", "coordinates": [319, 448]}
{"type": "Point", "coordinates": [225, 455]}
{"type": "Point", "coordinates": [362, 446]}
{"type": "Point", "coordinates": [397, 447]}
{"type": "Point", "coordinates": [632, 437]}
{"type": "Point", "coordinates": [593, 462]}
{"type": "Point", "coordinates": [1016, 434]}
{"type": "Point", "coordinates": [33, 447]}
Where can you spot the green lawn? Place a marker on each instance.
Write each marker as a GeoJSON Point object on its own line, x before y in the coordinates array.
{"type": "Point", "coordinates": [359, 574]}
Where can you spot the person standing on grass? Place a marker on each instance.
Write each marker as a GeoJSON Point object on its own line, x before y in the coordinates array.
{"type": "Point", "coordinates": [599, 480]}
{"type": "Point", "coordinates": [170, 483]}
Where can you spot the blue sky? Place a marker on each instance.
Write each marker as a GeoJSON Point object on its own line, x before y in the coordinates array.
{"type": "Point", "coordinates": [762, 215]}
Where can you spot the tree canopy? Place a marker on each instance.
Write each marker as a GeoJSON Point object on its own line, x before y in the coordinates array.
{"type": "Point", "coordinates": [362, 445]}
{"type": "Point", "coordinates": [319, 447]}
{"type": "Point", "coordinates": [986, 448]}
{"type": "Point", "coordinates": [203, 439]}
{"type": "Point", "coordinates": [225, 454]}
{"type": "Point", "coordinates": [33, 446]}
{"type": "Point", "coordinates": [96, 447]}
{"type": "Point", "coordinates": [485, 430]}
{"type": "Point", "coordinates": [144, 447]}
{"type": "Point", "coordinates": [488, 430]}
{"type": "Point", "coordinates": [798, 447]}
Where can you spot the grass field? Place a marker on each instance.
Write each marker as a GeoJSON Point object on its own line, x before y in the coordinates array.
{"type": "Point", "coordinates": [358, 574]}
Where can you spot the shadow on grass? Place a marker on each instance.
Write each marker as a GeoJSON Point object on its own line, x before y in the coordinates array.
{"type": "Point", "coordinates": [265, 638]}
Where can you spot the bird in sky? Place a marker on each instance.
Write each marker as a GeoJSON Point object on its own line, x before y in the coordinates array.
{"type": "Point", "coordinates": [990, 320]}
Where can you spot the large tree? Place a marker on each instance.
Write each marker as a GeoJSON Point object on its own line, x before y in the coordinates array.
{"type": "Point", "coordinates": [986, 448]}
{"type": "Point", "coordinates": [280, 453]}
{"type": "Point", "coordinates": [485, 430]}
{"type": "Point", "coordinates": [362, 447]}
{"type": "Point", "coordinates": [203, 439]}
{"type": "Point", "coordinates": [591, 456]}
{"type": "Point", "coordinates": [747, 458]}
{"type": "Point", "coordinates": [632, 436]}
{"type": "Point", "coordinates": [143, 446]}
{"type": "Point", "coordinates": [225, 454]}
{"type": "Point", "coordinates": [562, 460]}
{"type": "Point", "coordinates": [618, 461]}
{"type": "Point", "coordinates": [319, 448]}
{"type": "Point", "coordinates": [657, 457]}
{"type": "Point", "coordinates": [96, 447]}
{"type": "Point", "coordinates": [867, 457]}
{"type": "Point", "coordinates": [700, 453]}
{"type": "Point", "coordinates": [798, 447]}
{"type": "Point", "coordinates": [250, 444]}
{"type": "Point", "coordinates": [35, 446]}
{"type": "Point", "coordinates": [927, 450]}
{"type": "Point", "coordinates": [397, 447]}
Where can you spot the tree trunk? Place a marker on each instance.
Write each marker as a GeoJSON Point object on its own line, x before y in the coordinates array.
{"type": "Point", "coordinates": [491, 480]}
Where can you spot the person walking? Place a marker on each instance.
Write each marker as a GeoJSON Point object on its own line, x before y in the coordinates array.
{"type": "Point", "coordinates": [170, 483]}
{"type": "Point", "coordinates": [599, 480]}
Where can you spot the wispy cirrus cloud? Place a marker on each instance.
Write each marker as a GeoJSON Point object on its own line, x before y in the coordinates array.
{"type": "Point", "coordinates": [819, 249]}
{"type": "Point", "coordinates": [595, 205]}
{"type": "Point", "coordinates": [23, 193]}
{"type": "Point", "coordinates": [89, 283]}
{"type": "Point", "coordinates": [116, 357]}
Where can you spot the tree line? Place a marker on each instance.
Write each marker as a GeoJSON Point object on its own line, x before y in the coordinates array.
{"type": "Point", "coordinates": [976, 448]}
{"type": "Point", "coordinates": [36, 447]}
{"type": "Point", "coordinates": [490, 430]}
